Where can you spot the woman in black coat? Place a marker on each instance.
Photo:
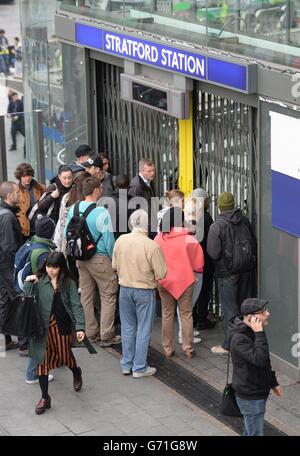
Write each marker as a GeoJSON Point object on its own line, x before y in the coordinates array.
{"type": "Point", "coordinates": [49, 204]}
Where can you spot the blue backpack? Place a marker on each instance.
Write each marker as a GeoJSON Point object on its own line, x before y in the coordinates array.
{"type": "Point", "coordinates": [22, 266]}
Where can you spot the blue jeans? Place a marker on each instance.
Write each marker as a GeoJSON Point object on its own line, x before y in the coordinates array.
{"type": "Point", "coordinates": [233, 290]}
{"type": "Point", "coordinates": [137, 307]}
{"type": "Point", "coordinates": [30, 370]}
{"type": "Point", "coordinates": [253, 413]}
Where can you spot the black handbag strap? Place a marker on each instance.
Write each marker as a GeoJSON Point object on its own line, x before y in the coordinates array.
{"type": "Point", "coordinates": [228, 363]}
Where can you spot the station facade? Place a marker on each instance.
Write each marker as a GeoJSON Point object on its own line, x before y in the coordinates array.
{"type": "Point", "coordinates": [209, 91]}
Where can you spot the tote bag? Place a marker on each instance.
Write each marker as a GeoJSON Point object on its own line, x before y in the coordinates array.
{"type": "Point", "coordinates": [229, 406]}
{"type": "Point", "coordinates": [23, 318]}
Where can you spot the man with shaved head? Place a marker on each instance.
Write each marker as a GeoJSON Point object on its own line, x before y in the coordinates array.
{"type": "Point", "coordinates": [10, 241]}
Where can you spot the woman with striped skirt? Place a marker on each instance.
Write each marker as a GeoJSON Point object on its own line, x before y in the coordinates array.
{"type": "Point", "coordinates": [60, 308]}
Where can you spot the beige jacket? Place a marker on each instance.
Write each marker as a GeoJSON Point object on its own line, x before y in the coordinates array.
{"type": "Point", "coordinates": [138, 260]}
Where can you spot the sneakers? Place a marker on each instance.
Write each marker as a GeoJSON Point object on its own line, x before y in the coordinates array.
{"type": "Point", "coordinates": [197, 340]}
{"type": "Point", "coordinates": [196, 332]}
{"type": "Point", "coordinates": [23, 352]}
{"type": "Point", "coordinates": [113, 341]}
{"type": "Point", "coordinates": [33, 382]}
{"type": "Point", "coordinates": [149, 371]}
{"type": "Point", "coordinates": [219, 350]}
{"type": "Point", "coordinates": [126, 371]}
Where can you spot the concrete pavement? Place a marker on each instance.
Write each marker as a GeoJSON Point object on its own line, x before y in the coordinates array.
{"type": "Point", "coordinates": [109, 403]}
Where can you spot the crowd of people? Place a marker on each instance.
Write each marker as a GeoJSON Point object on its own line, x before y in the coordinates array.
{"type": "Point", "coordinates": [10, 55]}
{"type": "Point", "coordinates": [101, 249]}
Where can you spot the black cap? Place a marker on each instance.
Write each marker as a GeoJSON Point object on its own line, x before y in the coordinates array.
{"type": "Point", "coordinates": [253, 305]}
{"type": "Point", "coordinates": [93, 161]}
{"type": "Point", "coordinates": [83, 149]}
{"type": "Point", "coordinates": [44, 227]}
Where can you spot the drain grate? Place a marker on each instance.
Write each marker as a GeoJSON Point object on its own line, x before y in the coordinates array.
{"type": "Point", "coordinates": [197, 391]}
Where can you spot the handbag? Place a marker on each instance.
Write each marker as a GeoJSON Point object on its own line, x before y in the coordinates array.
{"type": "Point", "coordinates": [23, 318]}
{"type": "Point", "coordinates": [229, 406]}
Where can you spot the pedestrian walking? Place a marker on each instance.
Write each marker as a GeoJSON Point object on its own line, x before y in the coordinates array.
{"type": "Point", "coordinates": [183, 255]}
{"type": "Point", "coordinates": [41, 246]}
{"type": "Point", "coordinates": [252, 377]}
{"type": "Point", "coordinates": [59, 305]}
{"type": "Point", "coordinates": [139, 264]}
{"type": "Point", "coordinates": [15, 111]}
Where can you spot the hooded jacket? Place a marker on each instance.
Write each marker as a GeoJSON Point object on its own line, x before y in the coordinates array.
{"type": "Point", "coordinates": [252, 377]}
{"type": "Point", "coordinates": [183, 256]}
{"type": "Point", "coordinates": [216, 241]}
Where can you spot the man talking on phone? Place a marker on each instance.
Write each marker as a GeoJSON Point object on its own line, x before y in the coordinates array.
{"type": "Point", "coordinates": [252, 377]}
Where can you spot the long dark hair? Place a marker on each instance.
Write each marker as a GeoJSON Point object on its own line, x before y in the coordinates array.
{"type": "Point", "coordinates": [57, 259]}
{"type": "Point", "coordinates": [75, 194]}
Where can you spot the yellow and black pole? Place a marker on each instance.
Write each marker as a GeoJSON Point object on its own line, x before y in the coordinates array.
{"type": "Point", "coordinates": [186, 175]}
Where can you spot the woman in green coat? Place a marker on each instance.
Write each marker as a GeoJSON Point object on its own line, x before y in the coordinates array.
{"type": "Point", "coordinates": [61, 311]}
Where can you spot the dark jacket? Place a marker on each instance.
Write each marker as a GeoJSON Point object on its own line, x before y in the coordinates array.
{"type": "Point", "coordinates": [48, 200]}
{"type": "Point", "coordinates": [44, 293]}
{"type": "Point", "coordinates": [107, 185]}
{"type": "Point", "coordinates": [11, 237]}
{"type": "Point", "coordinates": [138, 188]}
{"type": "Point", "coordinates": [76, 167]}
{"type": "Point", "coordinates": [252, 376]}
{"type": "Point", "coordinates": [120, 213]}
{"type": "Point", "coordinates": [208, 262]}
{"type": "Point", "coordinates": [216, 236]}
{"type": "Point", "coordinates": [15, 108]}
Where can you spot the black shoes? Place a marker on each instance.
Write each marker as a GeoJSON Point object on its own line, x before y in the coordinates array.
{"type": "Point", "coordinates": [77, 381]}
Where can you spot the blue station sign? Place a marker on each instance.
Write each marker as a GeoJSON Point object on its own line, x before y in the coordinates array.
{"type": "Point", "coordinates": [197, 66]}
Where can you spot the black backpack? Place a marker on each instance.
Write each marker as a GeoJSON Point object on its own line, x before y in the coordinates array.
{"type": "Point", "coordinates": [80, 242]}
{"type": "Point", "coordinates": [239, 252]}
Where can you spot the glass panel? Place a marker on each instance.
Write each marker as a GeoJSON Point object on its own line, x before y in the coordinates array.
{"type": "Point", "coordinates": [278, 258]}
{"type": "Point", "coordinates": [75, 101]}
{"type": "Point", "coordinates": [261, 29]}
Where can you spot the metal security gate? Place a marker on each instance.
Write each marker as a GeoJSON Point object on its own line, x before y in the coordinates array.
{"type": "Point", "coordinates": [225, 150]}
{"type": "Point", "coordinates": [127, 131]}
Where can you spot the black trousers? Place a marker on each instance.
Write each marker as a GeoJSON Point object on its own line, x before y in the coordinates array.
{"type": "Point", "coordinates": [17, 126]}
{"type": "Point", "coordinates": [201, 307]}
{"type": "Point", "coordinates": [7, 291]}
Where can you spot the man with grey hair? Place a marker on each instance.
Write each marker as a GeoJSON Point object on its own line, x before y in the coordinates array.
{"type": "Point", "coordinates": [10, 240]}
{"type": "Point", "coordinates": [142, 186]}
{"type": "Point", "coordinates": [139, 264]}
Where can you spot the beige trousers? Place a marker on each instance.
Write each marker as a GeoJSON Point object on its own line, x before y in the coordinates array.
{"type": "Point", "coordinates": [93, 273]}
{"type": "Point", "coordinates": [185, 305]}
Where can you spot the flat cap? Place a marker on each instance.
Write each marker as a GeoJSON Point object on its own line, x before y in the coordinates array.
{"type": "Point", "coordinates": [253, 305]}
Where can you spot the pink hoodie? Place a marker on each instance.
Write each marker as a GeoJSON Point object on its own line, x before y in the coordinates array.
{"type": "Point", "coordinates": [183, 256]}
